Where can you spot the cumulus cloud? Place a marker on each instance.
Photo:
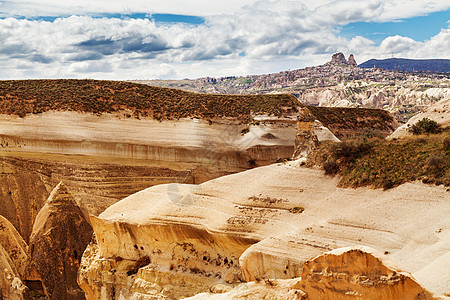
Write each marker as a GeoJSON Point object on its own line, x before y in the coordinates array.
{"type": "Point", "coordinates": [261, 37]}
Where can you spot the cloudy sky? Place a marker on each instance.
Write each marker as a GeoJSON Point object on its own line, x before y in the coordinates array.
{"type": "Point", "coordinates": [175, 39]}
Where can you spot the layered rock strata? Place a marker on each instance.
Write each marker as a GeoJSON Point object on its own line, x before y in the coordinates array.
{"type": "Point", "coordinates": [60, 234]}
{"type": "Point", "coordinates": [180, 240]}
{"type": "Point", "coordinates": [103, 159]}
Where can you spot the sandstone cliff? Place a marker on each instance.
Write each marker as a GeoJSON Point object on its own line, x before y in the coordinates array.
{"type": "Point", "coordinates": [13, 260]}
{"type": "Point", "coordinates": [177, 241]}
{"type": "Point", "coordinates": [60, 235]}
{"type": "Point", "coordinates": [103, 159]}
{"type": "Point", "coordinates": [344, 273]}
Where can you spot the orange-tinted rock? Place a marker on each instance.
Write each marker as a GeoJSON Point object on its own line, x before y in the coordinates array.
{"type": "Point", "coordinates": [357, 273]}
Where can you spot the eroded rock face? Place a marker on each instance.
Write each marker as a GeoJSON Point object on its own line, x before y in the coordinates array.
{"type": "Point", "coordinates": [352, 61]}
{"type": "Point", "coordinates": [14, 246]}
{"type": "Point", "coordinates": [357, 273]}
{"type": "Point", "coordinates": [60, 235]}
{"type": "Point", "coordinates": [265, 223]}
{"type": "Point", "coordinates": [13, 260]}
{"type": "Point", "coordinates": [22, 194]}
{"type": "Point", "coordinates": [338, 59]}
{"type": "Point", "coordinates": [439, 112]}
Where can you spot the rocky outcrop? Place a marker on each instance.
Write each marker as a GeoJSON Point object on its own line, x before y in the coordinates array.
{"type": "Point", "coordinates": [103, 159]}
{"type": "Point", "coordinates": [310, 132]}
{"type": "Point", "coordinates": [357, 273]}
{"type": "Point", "coordinates": [338, 59]}
{"type": "Point", "coordinates": [13, 260]}
{"type": "Point", "coordinates": [60, 234]}
{"type": "Point", "coordinates": [439, 112]}
{"type": "Point", "coordinates": [344, 273]}
{"type": "Point", "coordinates": [22, 194]}
{"type": "Point", "coordinates": [351, 61]}
{"type": "Point", "coordinates": [262, 224]}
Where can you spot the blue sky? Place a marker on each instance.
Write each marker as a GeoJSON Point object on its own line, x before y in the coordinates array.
{"type": "Point", "coordinates": [173, 39]}
{"type": "Point", "coordinates": [419, 28]}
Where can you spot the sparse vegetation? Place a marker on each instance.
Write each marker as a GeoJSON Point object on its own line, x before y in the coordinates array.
{"type": "Point", "coordinates": [425, 126]}
{"type": "Point", "coordinates": [387, 164]}
{"type": "Point", "coordinates": [338, 118]}
{"type": "Point", "coordinates": [22, 97]}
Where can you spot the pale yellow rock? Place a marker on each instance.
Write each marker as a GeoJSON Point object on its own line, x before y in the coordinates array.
{"type": "Point", "coordinates": [13, 261]}
{"type": "Point", "coordinates": [195, 235]}
{"type": "Point", "coordinates": [358, 273]}
{"type": "Point", "coordinates": [14, 246]}
{"type": "Point", "coordinates": [267, 289]}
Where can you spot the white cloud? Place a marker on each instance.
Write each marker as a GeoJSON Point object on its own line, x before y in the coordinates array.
{"type": "Point", "coordinates": [67, 7]}
{"type": "Point", "coordinates": [274, 35]}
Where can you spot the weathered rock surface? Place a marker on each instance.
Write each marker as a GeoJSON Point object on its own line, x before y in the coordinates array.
{"type": "Point", "coordinates": [13, 260]}
{"type": "Point", "coordinates": [338, 59]}
{"type": "Point", "coordinates": [268, 289]}
{"type": "Point", "coordinates": [103, 159]}
{"type": "Point", "coordinates": [14, 246]}
{"type": "Point", "coordinates": [351, 60]}
{"type": "Point", "coordinates": [357, 273]}
{"type": "Point", "coordinates": [22, 194]}
{"type": "Point", "coordinates": [60, 234]}
{"type": "Point", "coordinates": [439, 112]}
{"type": "Point", "coordinates": [180, 240]}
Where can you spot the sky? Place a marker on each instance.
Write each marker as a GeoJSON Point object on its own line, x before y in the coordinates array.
{"type": "Point", "coordinates": [175, 39]}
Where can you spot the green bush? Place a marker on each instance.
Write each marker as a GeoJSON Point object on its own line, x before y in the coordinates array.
{"type": "Point", "coordinates": [425, 126]}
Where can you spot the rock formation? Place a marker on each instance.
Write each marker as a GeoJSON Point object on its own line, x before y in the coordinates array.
{"type": "Point", "coordinates": [309, 133]}
{"type": "Point", "coordinates": [103, 159]}
{"type": "Point", "coordinates": [352, 61]}
{"type": "Point", "coordinates": [344, 273]}
{"type": "Point", "coordinates": [439, 112]}
{"type": "Point", "coordinates": [338, 59]}
{"type": "Point", "coordinates": [13, 260]}
{"type": "Point", "coordinates": [357, 273]}
{"type": "Point", "coordinates": [261, 224]}
{"type": "Point", "coordinates": [60, 235]}
{"type": "Point", "coordinates": [22, 194]}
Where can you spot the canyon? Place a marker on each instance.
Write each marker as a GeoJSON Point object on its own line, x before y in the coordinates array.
{"type": "Point", "coordinates": [192, 195]}
{"type": "Point", "coordinates": [262, 224]}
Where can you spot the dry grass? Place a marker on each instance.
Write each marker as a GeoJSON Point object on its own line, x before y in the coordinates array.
{"type": "Point", "coordinates": [22, 97]}
{"type": "Point", "coordinates": [386, 164]}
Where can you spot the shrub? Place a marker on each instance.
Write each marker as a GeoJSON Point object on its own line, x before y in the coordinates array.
{"type": "Point", "coordinates": [447, 144]}
{"type": "Point", "coordinates": [330, 167]}
{"type": "Point", "coordinates": [425, 126]}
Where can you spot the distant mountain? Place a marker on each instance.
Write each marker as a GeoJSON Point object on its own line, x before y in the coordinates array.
{"type": "Point", "coordinates": [410, 65]}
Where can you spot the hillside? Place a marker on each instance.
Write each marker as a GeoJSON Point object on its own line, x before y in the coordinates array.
{"type": "Point", "coordinates": [409, 65]}
{"type": "Point", "coordinates": [21, 97]}
{"type": "Point", "coordinates": [337, 83]}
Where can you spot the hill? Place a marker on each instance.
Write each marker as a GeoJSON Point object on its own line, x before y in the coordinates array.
{"type": "Point", "coordinates": [21, 97]}
{"type": "Point", "coordinates": [339, 82]}
{"type": "Point", "coordinates": [409, 65]}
